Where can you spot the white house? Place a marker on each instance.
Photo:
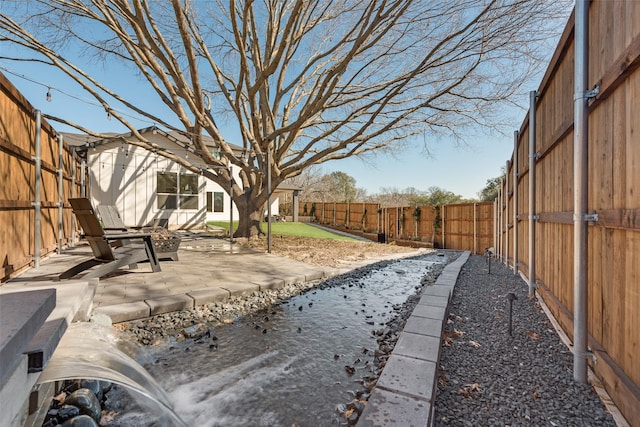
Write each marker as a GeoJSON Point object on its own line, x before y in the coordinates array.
{"type": "Point", "coordinates": [148, 189]}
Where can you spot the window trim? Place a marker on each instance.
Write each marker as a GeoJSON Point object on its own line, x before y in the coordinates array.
{"type": "Point", "coordinates": [178, 196]}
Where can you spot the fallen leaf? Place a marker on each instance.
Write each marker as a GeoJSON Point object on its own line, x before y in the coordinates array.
{"type": "Point", "coordinates": [473, 387]}
{"type": "Point", "coordinates": [469, 389]}
{"type": "Point", "coordinates": [534, 394]}
{"type": "Point", "coordinates": [533, 335]}
{"type": "Point", "coordinates": [464, 392]}
{"type": "Point", "coordinates": [61, 397]}
{"type": "Point", "coordinates": [442, 380]}
{"type": "Point", "coordinates": [108, 417]}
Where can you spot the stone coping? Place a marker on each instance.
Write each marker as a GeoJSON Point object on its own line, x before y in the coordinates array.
{"type": "Point", "coordinates": [34, 315]}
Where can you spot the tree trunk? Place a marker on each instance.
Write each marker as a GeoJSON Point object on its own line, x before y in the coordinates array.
{"type": "Point", "coordinates": [251, 214]}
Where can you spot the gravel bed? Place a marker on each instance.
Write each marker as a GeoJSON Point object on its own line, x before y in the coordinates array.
{"type": "Point", "coordinates": [490, 378]}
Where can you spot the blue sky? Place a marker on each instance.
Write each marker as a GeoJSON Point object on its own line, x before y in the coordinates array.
{"type": "Point", "coordinates": [463, 170]}
{"type": "Point", "coordinates": [462, 167]}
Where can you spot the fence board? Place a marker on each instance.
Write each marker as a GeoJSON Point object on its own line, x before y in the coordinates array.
{"type": "Point", "coordinates": [17, 172]}
{"type": "Point", "coordinates": [613, 193]}
{"type": "Point", "coordinates": [420, 224]}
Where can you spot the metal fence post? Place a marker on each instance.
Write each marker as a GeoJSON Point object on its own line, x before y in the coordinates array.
{"type": "Point", "coordinates": [38, 183]}
{"type": "Point", "coordinates": [532, 190]}
{"type": "Point", "coordinates": [60, 191]}
{"type": "Point", "coordinates": [516, 134]}
{"type": "Point", "coordinates": [506, 214]}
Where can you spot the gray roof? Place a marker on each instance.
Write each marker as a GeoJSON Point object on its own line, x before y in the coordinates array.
{"type": "Point", "coordinates": [85, 141]}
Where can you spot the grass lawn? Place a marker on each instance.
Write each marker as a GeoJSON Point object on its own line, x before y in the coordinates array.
{"type": "Point", "coordinates": [290, 229]}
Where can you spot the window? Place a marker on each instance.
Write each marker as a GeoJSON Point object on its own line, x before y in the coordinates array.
{"type": "Point", "coordinates": [218, 202]}
{"type": "Point", "coordinates": [215, 201]}
{"type": "Point", "coordinates": [174, 188]}
{"type": "Point", "coordinates": [167, 190]}
{"type": "Point", "coordinates": [188, 191]}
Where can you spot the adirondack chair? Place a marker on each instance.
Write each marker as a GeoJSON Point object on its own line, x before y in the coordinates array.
{"type": "Point", "coordinates": [109, 253]}
{"type": "Point", "coordinates": [111, 219]}
{"type": "Point", "coordinates": [166, 248]}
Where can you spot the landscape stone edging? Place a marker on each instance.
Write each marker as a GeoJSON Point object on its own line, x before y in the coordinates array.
{"type": "Point", "coordinates": [405, 402]}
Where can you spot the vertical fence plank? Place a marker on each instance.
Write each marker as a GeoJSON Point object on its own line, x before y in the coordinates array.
{"type": "Point", "coordinates": [17, 172]}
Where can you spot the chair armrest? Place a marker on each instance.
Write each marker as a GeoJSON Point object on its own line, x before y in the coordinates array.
{"type": "Point", "coordinates": [121, 236]}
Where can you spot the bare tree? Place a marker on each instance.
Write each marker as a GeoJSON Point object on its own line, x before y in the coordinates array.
{"type": "Point", "coordinates": [302, 81]}
{"type": "Point", "coordinates": [391, 197]}
{"type": "Point", "coordinates": [309, 180]}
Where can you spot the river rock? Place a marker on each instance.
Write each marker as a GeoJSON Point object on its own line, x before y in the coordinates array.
{"type": "Point", "coordinates": [196, 332]}
{"type": "Point", "coordinates": [64, 412]}
{"type": "Point", "coordinates": [94, 386]}
{"type": "Point", "coordinates": [86, 401]}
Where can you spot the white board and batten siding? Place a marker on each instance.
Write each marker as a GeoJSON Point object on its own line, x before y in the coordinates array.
{"type": "Point", "coordinates": [127, 177]}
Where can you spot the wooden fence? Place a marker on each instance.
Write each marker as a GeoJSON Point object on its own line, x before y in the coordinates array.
{"type": "Point", "coordinates": [467, 226]}
{"type": "Point", "coordinates": [613, 274]}
{"type": "Point", "coordinates": [19, 216]}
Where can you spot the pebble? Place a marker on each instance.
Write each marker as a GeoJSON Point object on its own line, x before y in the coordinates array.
{"type": "Point", "coordinates": [194, 322]}
{"type": "Point", "coordinates": [524, 379]}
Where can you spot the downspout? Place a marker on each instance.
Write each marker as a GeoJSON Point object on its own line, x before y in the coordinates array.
{"type": "Point", "coordinates": [533, 156]}
{"type": "Point", "coordinates": [37, 200]}
{"type": "Point", "coordinates": [580, 199]}
{"type": "Point", "coordinates": [60, 191]}
{"type": "Point", "coordinates": [515, 202]}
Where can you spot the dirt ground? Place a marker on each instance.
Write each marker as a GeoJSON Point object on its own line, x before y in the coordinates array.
{"type": "Point", "coordinates": [324, 252]}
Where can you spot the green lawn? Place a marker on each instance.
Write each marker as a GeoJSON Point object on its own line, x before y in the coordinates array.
{"type": "Point", "coordinates": [289, 229]}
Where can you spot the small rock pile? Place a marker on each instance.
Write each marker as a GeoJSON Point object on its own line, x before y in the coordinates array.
{"type": "Point", "coordinates": [78, 404]}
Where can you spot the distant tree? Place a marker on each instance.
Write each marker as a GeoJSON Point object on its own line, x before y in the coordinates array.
{"type": "Point", "coordinates": [293, 82]}
{"type": "Point", "coordinates": [310, 181]}
{"type": "Point", "coordinates": [436, 196]}
{"type": "Point", "coordinates": [361, 195]}
{"type": "Point", "coordinates": [332, 187]}
{"type": "Point", "coordinates": [391, 196]}
{"type": "Point", "coordinates": [490, 192]}
{"type": "Point", "coordinates": [340, 186]}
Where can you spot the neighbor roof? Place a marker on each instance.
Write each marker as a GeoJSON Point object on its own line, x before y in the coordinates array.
{"type": "Point", "coordinates": [85, 141]}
